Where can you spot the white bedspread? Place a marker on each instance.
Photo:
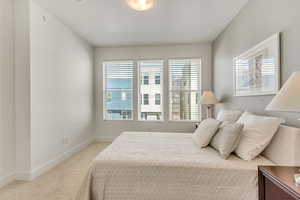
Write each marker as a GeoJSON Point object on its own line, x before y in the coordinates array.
{"type": "Point", "coordinates": [168, 166]}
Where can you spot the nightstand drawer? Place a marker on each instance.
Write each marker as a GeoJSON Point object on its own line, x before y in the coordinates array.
{"type": "Point", "coordinates": [276, 183]}
{"type": "Point", "coordinates": [273, 192]}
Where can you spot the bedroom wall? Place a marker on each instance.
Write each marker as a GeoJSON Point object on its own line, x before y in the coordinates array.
{"type": "Point", "coordinates": [258, 20]}
{"type": "Point", "coordinates": [22, 85]}
{"type": "Point", "coordinates": [7, 103]}
{"type": "Point", "coordinates": [108, 130]}
{"type": "Point", "coordinates": [61, 70]}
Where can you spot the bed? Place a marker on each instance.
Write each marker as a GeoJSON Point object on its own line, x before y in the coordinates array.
{"type": "Point", "coordinates": [169, 166]}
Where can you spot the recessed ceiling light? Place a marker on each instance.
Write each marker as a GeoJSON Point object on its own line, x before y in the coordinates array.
{"type": "Point", "coordinates": [80, 1]}
{"type": "Point", "coordinates": [141, 5]}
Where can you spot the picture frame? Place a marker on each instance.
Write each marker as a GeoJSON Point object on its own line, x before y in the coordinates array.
{"type": "Point", "coordinates": [257, 71]}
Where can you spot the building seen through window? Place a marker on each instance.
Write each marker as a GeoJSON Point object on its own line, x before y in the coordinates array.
{"type": "Point", "coordinates": [151, 90]}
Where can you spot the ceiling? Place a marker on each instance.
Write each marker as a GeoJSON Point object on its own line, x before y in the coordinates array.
{"type": "Point", "coordinates": [113, 23]}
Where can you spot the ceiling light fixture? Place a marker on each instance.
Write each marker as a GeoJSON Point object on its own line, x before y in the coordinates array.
{"type": "Point", "coordinates": [80, 1]}
{"type": "Point", "coordinates": [141, 5]}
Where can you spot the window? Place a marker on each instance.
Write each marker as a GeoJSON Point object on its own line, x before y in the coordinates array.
{"type": "Point", "coordinates": [108, 97]}
{"type": "Point", "coordinates": [157, 79]}
{"type": "Point", "coordinates": [150, 107]}
{"type": "Point", "coordinates": [185, 89]}
{"type": "Point", "coordinates": [157, 99]}
{"type": "Point", "coordinates": [118, 90]}
{"type": "Point", "coordinates": [124, 96]}
{"type": "Point", "coordinates": [146, 99]}
{"type": "Point", "coordinates": [146, 80]}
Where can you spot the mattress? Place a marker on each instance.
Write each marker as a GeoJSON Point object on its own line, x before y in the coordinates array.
{"type": "Point", "coordinates": [168, 166]}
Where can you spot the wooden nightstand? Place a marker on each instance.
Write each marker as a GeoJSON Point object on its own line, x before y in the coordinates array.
{"type": "Point", "coordinates": [277, 183]}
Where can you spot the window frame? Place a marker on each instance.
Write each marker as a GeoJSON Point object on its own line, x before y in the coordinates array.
{"type": "Point", "coordinates": [104, 90]}
{"type": "Point", "coordinates": [199, 91]}
{"type": "Point", "coordinates": [139, 95]}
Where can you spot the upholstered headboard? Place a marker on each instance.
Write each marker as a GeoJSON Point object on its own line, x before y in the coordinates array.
{"type": "Point", "coordinates": [284, 149]}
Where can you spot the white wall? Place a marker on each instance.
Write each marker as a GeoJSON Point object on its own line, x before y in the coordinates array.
{"type": "Point", "coordinates": [7, 104]}
{"type": "Point", "coordinates": [108, 130]}
{"type": "Point", "coordinates": [61, 89]}
{"type": "Point", "coordinates": [22, 85]}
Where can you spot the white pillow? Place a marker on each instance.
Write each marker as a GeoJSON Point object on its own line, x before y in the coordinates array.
{"type": "Point", "coordinates": [229, 115]}
{"type": "Point", "coordinates": [205, 132]}
{"type": "Point", "coordinates": [257, 133]}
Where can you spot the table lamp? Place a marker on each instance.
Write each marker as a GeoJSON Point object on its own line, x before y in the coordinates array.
{"type": "Point", "coordinates": [288, 100]}
{"type": "Point", "coordinates": [209, 100]}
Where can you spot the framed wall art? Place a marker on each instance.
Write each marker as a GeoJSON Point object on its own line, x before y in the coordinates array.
{"type": "Point", "coordinates": [257, 71]}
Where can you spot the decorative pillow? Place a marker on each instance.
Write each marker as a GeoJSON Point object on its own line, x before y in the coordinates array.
{"type": "Point", "coordinates": [257, 134]}
{"type": "Point", "coordinates": [229, 115]}
{"type": "Point", "coordinates": [227, 138]}
{"type": "Point", "coordinates": [205, 132]}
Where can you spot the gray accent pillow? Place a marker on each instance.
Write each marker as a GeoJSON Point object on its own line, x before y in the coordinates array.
{"type": "Point", "coordinates": [205, 132]}
{"type": "Point", "coordinates": [227, 138]}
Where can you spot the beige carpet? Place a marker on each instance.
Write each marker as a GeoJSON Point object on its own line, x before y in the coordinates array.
{"type": "Point", "coordinates": [60, 183]}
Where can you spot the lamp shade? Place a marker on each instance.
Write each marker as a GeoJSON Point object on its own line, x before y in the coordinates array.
{"type": "Point", "coordinates": [208, 98]}
{"type": "Point", "coordinates": [288, 98]}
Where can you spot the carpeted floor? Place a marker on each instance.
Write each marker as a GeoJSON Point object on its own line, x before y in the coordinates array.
{"type": "Point", "coordinates": [60, 183]}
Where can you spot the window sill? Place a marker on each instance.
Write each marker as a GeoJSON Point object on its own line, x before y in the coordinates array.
{"type": "Point", "coordinates": [184, 121]}
{"type": "Point", "coordinates": [158, 121]}
{"type": "Point", "coordinates": [119, 120]}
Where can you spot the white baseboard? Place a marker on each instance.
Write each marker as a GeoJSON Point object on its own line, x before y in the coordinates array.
{"type": "Point", "coordinates": [7, 179]}
{"type": "Point", "coordinates": [52, 163]}
{"type": "Point", "coordinates": [105, 139]}
{"type": "Point", "coordinates": [23, 176]}
{"type": "Point", "coordinates": [28, 176]}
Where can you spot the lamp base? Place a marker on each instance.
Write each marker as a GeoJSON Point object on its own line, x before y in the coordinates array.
{"type": "Point", "coordinates": [297, 179]}
{"type": "Point", "coordinates": [208, 111]}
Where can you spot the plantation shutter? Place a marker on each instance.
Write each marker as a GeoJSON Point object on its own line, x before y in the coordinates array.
{"type": "Point", "coordinates": [118, 90]}
{"type": "Point", "coordinates": [185, 89]}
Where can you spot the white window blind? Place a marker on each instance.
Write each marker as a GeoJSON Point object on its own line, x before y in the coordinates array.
{"type": "Point", "coordinates": [151, 71]}
{"type": "Point", "coordinates": [118, 90]}
{"type": "Point", "coordinates": [185, 89]}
